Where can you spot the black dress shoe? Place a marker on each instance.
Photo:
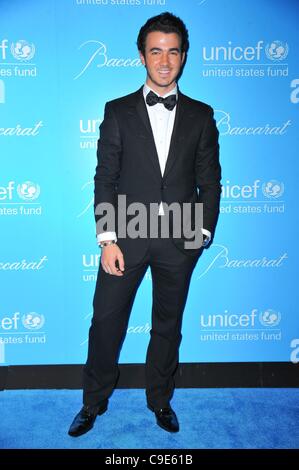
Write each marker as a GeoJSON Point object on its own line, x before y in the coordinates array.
{"type": "Point", "coordinates": [84, 420]}
{"type": "Point", "coordinates": [167, 419]}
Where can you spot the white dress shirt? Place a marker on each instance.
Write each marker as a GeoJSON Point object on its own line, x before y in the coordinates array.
{"type": "Point", "coordinates": [162, 122]}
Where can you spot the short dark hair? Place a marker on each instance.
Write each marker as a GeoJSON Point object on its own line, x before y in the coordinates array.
{"type": "Point", "coordinates": [166, 23]}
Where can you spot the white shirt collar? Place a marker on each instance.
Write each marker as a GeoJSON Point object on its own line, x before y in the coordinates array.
{"type": "Point", "coordinates": [147, 89]}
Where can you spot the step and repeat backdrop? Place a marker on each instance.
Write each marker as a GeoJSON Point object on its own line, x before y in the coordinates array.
{"type": "Point", "coordinates": [60, 61]}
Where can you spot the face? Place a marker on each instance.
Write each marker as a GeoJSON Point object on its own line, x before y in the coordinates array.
{"type": "Point", "coordinates": [163, 60]}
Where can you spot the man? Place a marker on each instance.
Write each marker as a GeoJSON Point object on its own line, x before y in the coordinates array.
{"type": "Point", "coordinates": [156, 146]}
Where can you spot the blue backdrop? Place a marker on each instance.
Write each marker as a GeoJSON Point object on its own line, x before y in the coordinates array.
{"type": "Point", "coordinates": [60, 61]}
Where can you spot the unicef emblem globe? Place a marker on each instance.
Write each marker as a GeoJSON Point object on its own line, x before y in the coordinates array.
{"type": "Point", "coordinates": [273, 189]}
{"type": "Point", "coordinates": [28, 191]}
{"type": "Point", "coordinates": [22, 50]}
{"type": "Point", "coordinates": [33, 321]}
{"type": "Point", "coordinates": [277, 50]}
{"type": "Point", "coordinates": [270, 318]}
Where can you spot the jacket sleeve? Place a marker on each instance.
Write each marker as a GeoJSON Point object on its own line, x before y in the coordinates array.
{"type": "Point", "coordinates": [208, 172]}
{"type": "Point", "coordinates": [109, 153]}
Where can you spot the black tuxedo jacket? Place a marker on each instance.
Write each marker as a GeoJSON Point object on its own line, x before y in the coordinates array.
{"type": "Point", "coordinates": [128, 163]}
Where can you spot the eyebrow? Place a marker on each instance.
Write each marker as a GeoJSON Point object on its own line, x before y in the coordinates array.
{"type": "Point", "coordinates": [159, 49]}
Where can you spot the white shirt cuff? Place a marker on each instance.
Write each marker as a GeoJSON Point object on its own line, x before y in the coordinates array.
{"type": "Point", "coordinates": [208, 234]}
{"type": "Point", "coordinates": [103, 237]}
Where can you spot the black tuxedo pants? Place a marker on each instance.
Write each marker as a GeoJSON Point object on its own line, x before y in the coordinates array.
{"type": "Point", "coordinates": [171, 271]}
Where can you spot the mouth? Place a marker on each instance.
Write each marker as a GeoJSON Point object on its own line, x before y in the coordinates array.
{"type": "Point", "coordinates": [164, 73]}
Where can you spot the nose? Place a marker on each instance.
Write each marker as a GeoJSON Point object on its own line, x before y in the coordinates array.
{"type": "Point", "coordinates": [164, 58]}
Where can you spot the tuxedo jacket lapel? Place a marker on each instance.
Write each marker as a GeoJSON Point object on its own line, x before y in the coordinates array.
{"type": "Point", "coordinates": [177, 134]}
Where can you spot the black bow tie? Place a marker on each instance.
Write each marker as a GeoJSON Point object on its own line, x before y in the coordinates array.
{"type": "Point", "coordinates": [169, 102]}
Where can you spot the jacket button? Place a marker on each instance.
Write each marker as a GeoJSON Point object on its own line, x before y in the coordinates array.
{"type": "Point", "coordinates": [164, 186]}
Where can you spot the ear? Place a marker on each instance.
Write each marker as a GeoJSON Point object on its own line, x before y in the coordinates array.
{"type": "Point", "coordinates": [142, 58]}
{"type": "Point", "coordinates": [183, 57]}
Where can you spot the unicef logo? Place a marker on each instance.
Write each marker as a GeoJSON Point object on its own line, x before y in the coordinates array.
{"type": "Point", "coordinates": [28, 191]}
{"type": "Point", "coordinates": [22, 50]}
{"type": "Point", "coordinates": [270, 318]}
{"type": "Point", "coordinates": [33, 321]}
{"type": "Point", "coordinates": [277, 50]}
{"type": "Point", "coordinates": [273, 189]}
